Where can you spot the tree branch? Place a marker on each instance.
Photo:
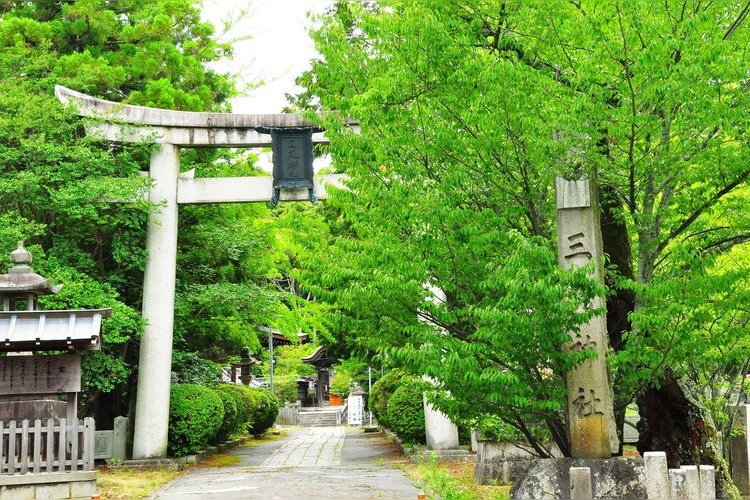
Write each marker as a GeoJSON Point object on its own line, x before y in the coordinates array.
{"type": "Point", "coordinates": [699, 211]}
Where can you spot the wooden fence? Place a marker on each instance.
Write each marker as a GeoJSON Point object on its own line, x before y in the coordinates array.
{"type": "Point", "coordinates": [55, 446]}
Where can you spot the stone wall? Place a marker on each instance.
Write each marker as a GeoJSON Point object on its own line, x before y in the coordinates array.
{"type": "Point", "coordinates": [49, 486]}
{"type": "Point", "coordinates": [501, 462]}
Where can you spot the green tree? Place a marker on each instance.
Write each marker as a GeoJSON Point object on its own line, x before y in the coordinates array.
{"type": "Point", "coordinates": [467, 111]}
{"type": "Point", "coordinates": [52, 178]}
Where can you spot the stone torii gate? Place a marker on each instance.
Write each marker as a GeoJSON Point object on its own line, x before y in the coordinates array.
{"type": "Point", "coordinates": [169, 131]}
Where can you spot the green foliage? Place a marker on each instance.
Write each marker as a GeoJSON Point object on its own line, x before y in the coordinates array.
{"type": "Point", "coordinates": [406, 410]}
{"type": "Point", "coordinates": [285, 388]}
{"type": "Point", "coordinates": [102, 371]}
{"type": "Point", "coordinates": [466, 113]}
{"type": "Point", "coordinates": [192, 368]}
{"type": "Point", "coordinates": [381, 392]}
{"type": "Point", "coordinates": [289, 368]}
{"type": "Point", "coordinates": [265, 409]}
{"type": "Point", "coordinates": [234, 412]}
{"type": "Point", "coordinates": [245, 412]}
{"type": "Point", "coordinates": [196, 414]}
{"type": "Point", "coordinates": [341, 384]}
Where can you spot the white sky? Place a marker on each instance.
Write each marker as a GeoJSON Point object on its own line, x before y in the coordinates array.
{"type": "Point", "coordinates": [278, 50]}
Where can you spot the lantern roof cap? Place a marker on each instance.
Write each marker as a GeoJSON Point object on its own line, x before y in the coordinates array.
{"type": "Point", "coordinates": [22, 278]}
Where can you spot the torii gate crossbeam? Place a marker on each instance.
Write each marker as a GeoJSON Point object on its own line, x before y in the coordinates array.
{"type": "Point", "coordinates": [169, 131]}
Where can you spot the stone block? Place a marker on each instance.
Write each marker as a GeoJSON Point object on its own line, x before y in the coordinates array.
{"type": "Point", "coordinates": [657, 474]}
{"type": "Point", "coordinates": [21, 492]}
{"type": "Point", "coordinates": [119, 439]}
{"type": "Point", "coordinates": [549, 478]}
{"type": "Point", "coordinates": [82, 489]}
{"type": "Point", "coordinates": [692, 481]}
{"type": "Point", "coordinates": [708, 482]}
{"type": "Point", "coordinates": [580, 483]}
{"type": "Point", "coordinates": [740, 449]}
{"type": "Point", "coordinates": [441, 432]}
{"type": "Point", "coordinates": [57, 491]}
{"type": "Point", "coordinates": [677, 484]}
{"type": "Point", "coordinates": [104, 444]}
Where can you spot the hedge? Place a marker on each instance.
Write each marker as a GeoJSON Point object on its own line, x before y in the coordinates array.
{"type": "Point", "coordinates": [380, 393]}
{"type": "Point", "coordinates": [265, 409]}
{"type": "Point", "coordinates": [196, 414]}
{"type": "Point", "coordinates": [234, 412]}
{"type": "Point", "coordinates": [245, 407]}
{"type": "Point", "coordinates": [405, 412]}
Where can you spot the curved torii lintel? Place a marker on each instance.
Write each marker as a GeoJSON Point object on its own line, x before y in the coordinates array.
{"type": "Point", "coordinates": [128, 123]}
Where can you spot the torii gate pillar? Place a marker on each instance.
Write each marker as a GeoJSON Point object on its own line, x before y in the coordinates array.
{"type": "Point", "coordinates": [155, 363]}
{"type": "Point", "coordinates": [169, 131]}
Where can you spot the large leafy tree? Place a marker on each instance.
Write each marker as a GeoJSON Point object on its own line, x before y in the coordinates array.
{"type": "Point", "coordinates": [52, 178]}
{"type": "Point", "coordinates": [467, 110]}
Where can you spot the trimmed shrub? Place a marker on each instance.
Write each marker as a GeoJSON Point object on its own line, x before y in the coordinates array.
{"type": "Point", "coordinates": [406, 411]}
{"type": "Point", "coordinates": [196, 414]}
{"type": "Point", "coordinates": [245, 405]}
{"type": "Point", "coordinates": [234, 414]}
{"type": "Point", "coordinates": [381, 392]}
{"type": "Point", "coordinates": [265, 409]}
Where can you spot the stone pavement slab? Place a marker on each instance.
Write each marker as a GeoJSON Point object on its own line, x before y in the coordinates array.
{"type": "Point", "coordinates": [329, 463]}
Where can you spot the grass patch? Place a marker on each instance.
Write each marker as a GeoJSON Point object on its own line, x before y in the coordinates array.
{"type": "Point", "coordinates": [122, 483]}
{"type": "Point", "coordinates": [223, 460]}
{"type": "Point", "coordinates": [271, 435]}
{"type": "Point", "coordinates": [454, 481]}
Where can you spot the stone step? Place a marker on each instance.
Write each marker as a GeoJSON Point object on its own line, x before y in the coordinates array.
{"type": "Point", "coordinates": [318, 418]}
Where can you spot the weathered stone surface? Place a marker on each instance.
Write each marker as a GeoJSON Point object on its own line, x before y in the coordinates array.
{"type": "Point", "coordinates": [503, 462]}
{"type": "Point", "coordinates": [591, 421]}
{"type": "Point", "coordinates": [657, 474]}
{"type": "Point", "coordinates": [441, 432]}
{"type": "Point", "coordinates": [549, 478]}
{"type": "Point", "coordinates": [740, 449]}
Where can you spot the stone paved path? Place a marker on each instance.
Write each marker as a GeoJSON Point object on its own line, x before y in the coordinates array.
{"type": "Point", "coordinates": [313, 446]}
{"type": "Point", "coordinates": [331, 463]}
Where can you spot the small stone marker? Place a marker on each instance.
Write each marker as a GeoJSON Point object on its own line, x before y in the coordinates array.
{"type": "Point", "coordinates": [708, 482]}
{"type": "Point", "coordinates": [740, 449]}
{"type": "Point", "coordinates": [677, 484]}
{"type": "Point", "coordinates": [692, 481]}
{"type": "Point", "coordinates": [657, 474]}
{"type": "Point", "coordinates": [590, 414]}
{"type": "Point", "coordinates": [580, 483]}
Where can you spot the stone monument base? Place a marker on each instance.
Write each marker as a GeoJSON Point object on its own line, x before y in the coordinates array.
{"type": "Point", "coordinates": [549, 478]}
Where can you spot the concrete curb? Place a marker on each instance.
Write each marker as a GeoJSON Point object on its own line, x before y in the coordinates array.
{"type": "Point", "coordinates": [422, 455]}
{"type": "Point", "coordinates": [179, 463]}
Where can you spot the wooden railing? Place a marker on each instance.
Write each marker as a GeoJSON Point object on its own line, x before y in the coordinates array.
{"type": "Point", "coordinates": [53, 446]}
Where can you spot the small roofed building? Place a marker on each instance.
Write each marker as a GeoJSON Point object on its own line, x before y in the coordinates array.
{"type": "Point", "coordinates": [323, 364]}
{"type": "Point", "coordinates": [31, 385]}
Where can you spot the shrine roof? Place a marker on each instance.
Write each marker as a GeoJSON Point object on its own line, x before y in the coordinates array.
{"type": "Point", "coordinates": [51, 330]}
{"type": "Point", "coordinates": [317, 358]}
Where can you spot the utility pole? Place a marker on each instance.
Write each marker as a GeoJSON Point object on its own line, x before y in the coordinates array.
{"type": "Point", "coordinates": [270, 361]}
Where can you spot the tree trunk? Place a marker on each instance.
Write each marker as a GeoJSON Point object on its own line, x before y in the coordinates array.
{"type": "Point", "coordinates": [674, 422]}
{"type": "Point", "coordinates": [670, 419]}
{"type": "Point", "coordinates": [616, 246]}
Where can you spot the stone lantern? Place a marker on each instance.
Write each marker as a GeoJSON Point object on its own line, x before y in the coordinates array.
{"type": "Point", "coordinates": [245, 366]}
{"type": "Point", "coordinates": [22, 286]}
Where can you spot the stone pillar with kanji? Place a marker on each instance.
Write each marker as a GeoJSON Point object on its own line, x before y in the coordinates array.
{"type": "Point", "coordinates": [590, 413]}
